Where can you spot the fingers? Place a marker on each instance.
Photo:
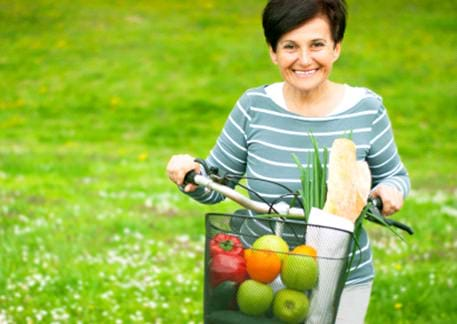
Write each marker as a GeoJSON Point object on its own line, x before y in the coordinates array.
{"type": "Point", "coordinates": [190, 187]}
{"type": "Point", "coordinates": [392, 199]}
{"type": "Point", "coordinates": [177, 168]}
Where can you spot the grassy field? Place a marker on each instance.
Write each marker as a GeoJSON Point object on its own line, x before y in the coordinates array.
{"type": "Point", "coordinates": [95, 96]}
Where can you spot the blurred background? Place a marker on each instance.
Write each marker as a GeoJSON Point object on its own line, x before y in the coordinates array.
{"type": "Point", "coordinates": [95, 96]}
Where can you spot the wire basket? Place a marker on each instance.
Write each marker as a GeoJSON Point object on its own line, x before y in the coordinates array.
{"type": "Point", "coordinates": [267, 282]}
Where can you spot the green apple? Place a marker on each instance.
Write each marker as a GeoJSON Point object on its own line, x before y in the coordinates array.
{"type": "Point", "coordinates": [254, 298]}
{"type": "Point", "coordinates": [273, 243]}
{"type": "Point", "coordinates": [299, 272]}
{"type": "Point", "coordinates": [290, 306]}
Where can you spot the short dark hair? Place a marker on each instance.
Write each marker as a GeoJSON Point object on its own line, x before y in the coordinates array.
{"type": "Point", "coordinates": [282, 16]}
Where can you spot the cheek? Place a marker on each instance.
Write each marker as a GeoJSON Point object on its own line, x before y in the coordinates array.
{"type": "Point", "coordinates": [285, 61]}
{"type": "Point", "coordinates": [326, 58]}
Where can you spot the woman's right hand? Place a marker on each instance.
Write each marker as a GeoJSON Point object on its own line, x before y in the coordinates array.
{"type": "Point", "coordinates": [177, 168]}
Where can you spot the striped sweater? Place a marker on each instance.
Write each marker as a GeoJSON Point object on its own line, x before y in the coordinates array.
{"type": "Point", "coordinates": [260, 137]}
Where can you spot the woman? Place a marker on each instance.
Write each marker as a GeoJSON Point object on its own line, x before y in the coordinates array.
{"type": "Point", "coordinates": [270, 123]}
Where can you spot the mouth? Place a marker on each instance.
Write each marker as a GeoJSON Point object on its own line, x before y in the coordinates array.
{"type": "Point", "coordinates": [305, 73]}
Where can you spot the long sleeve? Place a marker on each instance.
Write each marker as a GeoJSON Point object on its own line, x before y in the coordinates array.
{"type": "Point", "coordinates": [230, 152]}
{"type": "Point", "coordinates": [385, 164]}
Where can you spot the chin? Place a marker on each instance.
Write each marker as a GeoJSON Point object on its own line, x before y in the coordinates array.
{"type": "Point", "coordinates": [306, 86]}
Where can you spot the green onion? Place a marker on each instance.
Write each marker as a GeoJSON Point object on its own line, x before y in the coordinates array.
{"type": "Point", "coordinates": [313, 178]}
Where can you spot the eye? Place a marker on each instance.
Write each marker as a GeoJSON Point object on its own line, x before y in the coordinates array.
{"type": "Point", "coordinates": [288, 46]}
{"type": "Point", "coordinates": [317, 44]}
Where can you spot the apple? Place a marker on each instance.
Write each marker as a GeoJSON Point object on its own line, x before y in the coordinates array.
{"type": "Point", "coordinates": [290, 306]}
{"type": "Point", "coordinates": [273, 243]}
{"type": "Point", "coordinates": [254, 298]}
{"type": "Point", "coordinates": [299, 272]}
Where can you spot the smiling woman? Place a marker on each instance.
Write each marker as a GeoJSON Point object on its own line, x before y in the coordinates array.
{"type": "Point", "coordinates": [271, 123]}
{"type": "Point", "coordinates": [305, 58]}
{"type": "Point", "coordinates": [72, 180]}
{"type": "Point", "coordinates": [305, 52]}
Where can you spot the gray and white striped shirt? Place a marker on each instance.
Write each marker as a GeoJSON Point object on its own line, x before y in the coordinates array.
{"type": "Point", "coordinates": [260, 136]}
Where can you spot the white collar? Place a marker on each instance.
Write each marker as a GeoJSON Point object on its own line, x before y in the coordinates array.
{"type": "Point", "coordinates": [352, 95]}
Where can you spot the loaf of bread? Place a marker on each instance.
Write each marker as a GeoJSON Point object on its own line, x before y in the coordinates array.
{"type": "Point", "coordinates": [363, 180]}
{"type": "Point", "coordinates": [348, 183]}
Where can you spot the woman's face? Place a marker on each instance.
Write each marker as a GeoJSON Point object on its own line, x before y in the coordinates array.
{"type": "Point", "coordinates": [305, 55]}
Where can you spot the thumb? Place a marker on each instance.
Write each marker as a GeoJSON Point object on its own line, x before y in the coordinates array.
{"type": "Point", "coordinates": [189, 187]}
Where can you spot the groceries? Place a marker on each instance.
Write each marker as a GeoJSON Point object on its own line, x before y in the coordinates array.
{"type": "Point", "coordinates": [241, 280]}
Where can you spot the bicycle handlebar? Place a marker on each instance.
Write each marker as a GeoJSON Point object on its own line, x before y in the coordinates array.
{"type": "Point", "coordinates": [282, 208]}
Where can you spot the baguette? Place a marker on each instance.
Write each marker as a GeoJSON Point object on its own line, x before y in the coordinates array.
{"type": "Point", "coordinates": [347, 189]}
{"type": "Point", "coordinates": [363, 180]}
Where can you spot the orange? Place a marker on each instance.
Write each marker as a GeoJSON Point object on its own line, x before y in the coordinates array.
{"type": "Point", "coordinates": [262, 266]}
{"type": "Point", "coordinates": [305, 250]}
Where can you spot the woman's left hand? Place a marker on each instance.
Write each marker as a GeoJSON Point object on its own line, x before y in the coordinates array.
{"type": "Point", "coordinates": [392, 199]}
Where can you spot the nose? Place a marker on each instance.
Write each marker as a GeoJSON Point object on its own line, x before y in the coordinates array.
{"type": "Point", "coordinates": [305, 57]}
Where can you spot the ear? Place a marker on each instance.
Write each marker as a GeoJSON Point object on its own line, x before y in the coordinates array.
{"type": "Point", "coordinates": [273, 55]}
{"type": "Point", "coordinates": [336, 51]}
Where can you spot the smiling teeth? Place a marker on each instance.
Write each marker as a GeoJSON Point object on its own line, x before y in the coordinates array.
{"type": "Point", "coordinates": [306, 72]}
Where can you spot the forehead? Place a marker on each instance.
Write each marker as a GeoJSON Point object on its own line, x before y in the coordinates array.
{"type": "Point", "coordinates": [315, 28]}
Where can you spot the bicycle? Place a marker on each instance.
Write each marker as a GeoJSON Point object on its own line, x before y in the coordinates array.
{"type": "Point", "coordinates": [222, 297]}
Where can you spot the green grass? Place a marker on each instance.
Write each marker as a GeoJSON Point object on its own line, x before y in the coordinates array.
{"type": "Point", "coordinates": [95, 96]}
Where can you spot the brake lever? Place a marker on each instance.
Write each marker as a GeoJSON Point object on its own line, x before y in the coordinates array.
{"type": "Point", "coordinates": [211, 172]}
{"type": "Point", "coordinates": [375, 207]}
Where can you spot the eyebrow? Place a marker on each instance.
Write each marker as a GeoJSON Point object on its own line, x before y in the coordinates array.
{"type": "Point", "coordinates": [319, 40]}
{"type": "Point", "coordinates": [312, 40]}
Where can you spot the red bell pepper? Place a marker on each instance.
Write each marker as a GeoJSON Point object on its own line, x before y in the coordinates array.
{"type": "Point", "coordinates": [225, 244]}
{"type": "Point", "coordinates": [225, 267]}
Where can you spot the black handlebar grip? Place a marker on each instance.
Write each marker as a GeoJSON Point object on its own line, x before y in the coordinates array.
{"type": "Point", "coordinates": [377, 202]}
{"type": "Point", "coordinates": [190, 177]}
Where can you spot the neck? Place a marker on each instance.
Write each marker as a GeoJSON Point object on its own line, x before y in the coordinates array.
{"type": "Point", "coordinates": [314, 103]}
